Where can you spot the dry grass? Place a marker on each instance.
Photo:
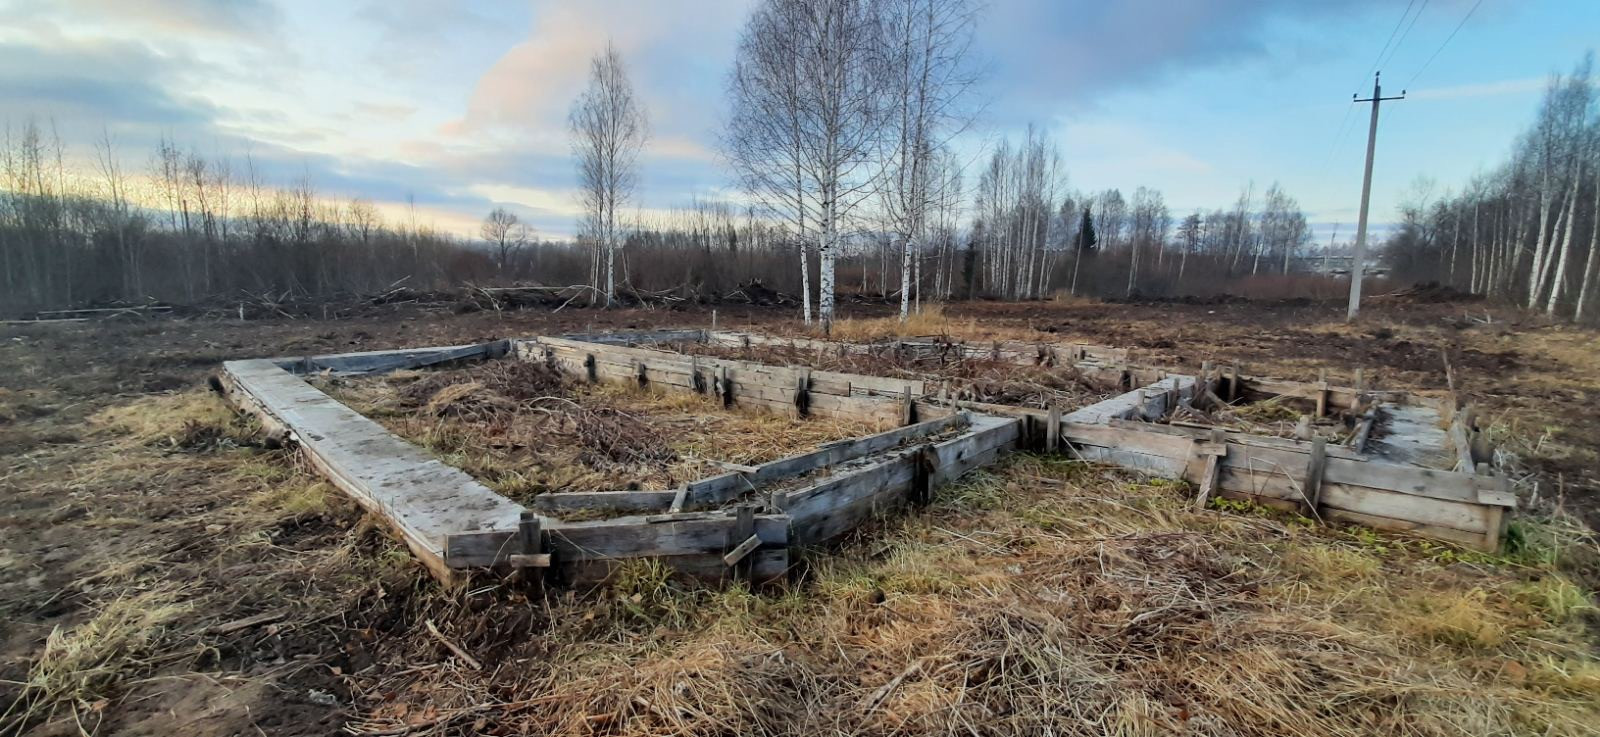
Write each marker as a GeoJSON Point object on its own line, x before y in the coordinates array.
{"type": "Point", "coordinates": [1048, 597]}
{"type": "Point", "coordinates": [192, 420]}
{"type": "Point", "coordinates": [1042, 598]}
{"type": "Point", "coordinates": [81, 664]}
{"type": "Point", "coordinates": [930, 320]}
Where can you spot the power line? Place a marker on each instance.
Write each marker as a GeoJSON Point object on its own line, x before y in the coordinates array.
{"type": "Point", "coordinates": [1338, 138]}
{"type": "Point", "coordinates": [1397, 25]}
{"type": "Point", "coordinates": [1446, 43]}
{"type": "Point", "coordinates": [1405, 35]}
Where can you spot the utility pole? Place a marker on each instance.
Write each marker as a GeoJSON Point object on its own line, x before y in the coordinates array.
{"type": "Point", "coordinates": [1366, 194]}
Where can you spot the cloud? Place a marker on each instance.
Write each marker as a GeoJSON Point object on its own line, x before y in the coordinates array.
{"type": "Point", "coordinates": [95, 83]}
{"type": "Point", "coordinates": [1051, 55]}
{"type": "Point", "coordinates": [233, 19]}
{"type": "Point", "coordinates": [675, 57]}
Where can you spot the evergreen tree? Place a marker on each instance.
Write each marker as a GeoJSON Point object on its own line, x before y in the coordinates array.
{"type": "Point", "coordinates": [1086, 235]}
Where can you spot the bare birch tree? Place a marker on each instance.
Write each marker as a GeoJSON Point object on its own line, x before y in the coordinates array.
{"type": "Point", "coordinates": [608, 130]}
{"type": "Point", "coordinates": [834, 102]}
{"type": "Point", "coordinates": [923, 58]}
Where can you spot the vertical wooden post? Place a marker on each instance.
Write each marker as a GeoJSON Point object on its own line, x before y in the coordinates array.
{"type": "Point", "coordinates": [724, 386]}
{"type": "Point", "coordinates": [530, 540]}
{"type": "Point", "coordinates": [1234, 390]}
{"type": "Point", "coordinates": [744, 529]}
{"type": "Point", "coordinates": [908, 407]}
{"type": "Point", "coordinates": [1205, 379]}
{"type": "Point", "coordinates": [1314, 468]}
{"type": "Point", "coordinates": [802, 392]}
{"type": "Point", "coordinates": [1213, 452]}
{"type": "Point", "coordinates": [590, 370]}
{"type": "Point", "coordinates": [926, 466]}
{"type": "Point", "coordinates": [1322, 392]}
{"type": "Point", "coordinates": [1361, 382]}
{"type": "Point", "coordinates": [697, 380]}
{"type": "Point", "coordinates": [639, 374]}
{"type": "Point", "coordinates": [1052, 430]}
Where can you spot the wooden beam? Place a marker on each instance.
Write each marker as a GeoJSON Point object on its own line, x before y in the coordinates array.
{"type": "Point", "coordinates": [420, 498]}
{"type": "Point", "coordinates": [1212, 452]}
{"type": "Point", "coordinates": [1315, 465]}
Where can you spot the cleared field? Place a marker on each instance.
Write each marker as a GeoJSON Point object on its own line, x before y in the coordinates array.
{"type": "Point", "coordinates": [164, 572]}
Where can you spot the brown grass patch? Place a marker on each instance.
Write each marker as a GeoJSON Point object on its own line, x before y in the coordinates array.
{"type": "Point", "coordinates": [1048, 597]}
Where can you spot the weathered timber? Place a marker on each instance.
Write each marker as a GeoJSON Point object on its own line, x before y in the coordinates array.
{"type": "Point", "coordinates": [839, 503]}
{"type": "Point", "coordinates": [586, 551]}
{"type": "Point", "coordinates": [376, 362]}
{"type": "Point", "coordinates": [1150, 403]}
{"type": "Point", "coordinates": [420, 498]}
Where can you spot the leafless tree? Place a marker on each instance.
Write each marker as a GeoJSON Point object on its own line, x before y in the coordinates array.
{"type": "Point", "coordinates": [923, 59]}
{"type": "Point", "coordinates": [811, 129]}
{"type": "Point", "coordinates": [505, 233]}
{"type": "Point", "coordinates": [608, 130]}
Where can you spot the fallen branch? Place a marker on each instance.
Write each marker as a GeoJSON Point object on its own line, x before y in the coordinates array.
{"type": "Point", "coordinates": [454, 648]}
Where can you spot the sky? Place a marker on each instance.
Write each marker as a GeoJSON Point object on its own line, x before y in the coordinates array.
{"type": "Point", "coordinates": [459, 106]}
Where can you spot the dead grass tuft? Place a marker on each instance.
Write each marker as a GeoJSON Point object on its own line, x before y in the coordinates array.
{"type": "Point", "coordinates": [83, 663]}
{"type": "Point", "coordinates": [930, 320]}
{"type": "Point", "coordinates": [194, 420]}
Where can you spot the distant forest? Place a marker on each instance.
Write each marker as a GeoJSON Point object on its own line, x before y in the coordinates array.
{"type": "Point", "coordinates": [185, 228]}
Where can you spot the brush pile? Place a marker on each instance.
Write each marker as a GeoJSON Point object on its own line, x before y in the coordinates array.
{"type": "Point", "coordinates": [1275, 417]}
{"type": "Point", "coordinates": [519, 400]}
{"type": "Point", "coordinates": [523, 429]}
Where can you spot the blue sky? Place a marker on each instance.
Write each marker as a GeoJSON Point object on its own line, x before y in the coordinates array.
{"type": "Point", "coordinates": [462, 105]}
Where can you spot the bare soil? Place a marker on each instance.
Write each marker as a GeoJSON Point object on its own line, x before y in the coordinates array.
{"type": "Point", "coordinates": [141, 518]}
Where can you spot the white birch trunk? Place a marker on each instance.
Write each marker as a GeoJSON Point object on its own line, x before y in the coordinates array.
{"type": "Point", "coordinates": [1589, 263]}
{"type": "Point", "coordinates": [1559, 281]}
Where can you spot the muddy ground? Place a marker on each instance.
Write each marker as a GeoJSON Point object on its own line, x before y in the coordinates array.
{"type": "Point", "coordinates": [142, 525]}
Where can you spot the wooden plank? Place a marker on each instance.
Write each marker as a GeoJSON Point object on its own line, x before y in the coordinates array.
{"type": "Point", "coordinates": [1149, 402]}
{"type": "Point", "coordinates": [557, 503]}
{"type": "Point", "coordinates": [1389, 524]}
{"type": "Point", "coordinates": [1052, 429]}
{"type": "Point", "coordinates": [419, 497]}
{"type": "Point", "coordinates": [621, 538]}
{"type": "Point", "coordinates": [739, 552]}
{"type": "Point", "coordinates": [1212, 451]}
{"type": "Point", "coordinates": [1261, 441]}
{"type": "Point", "coordinates": [1461, 444]}
{"type": "Point", "coordinates": [780, 377]}
{"type": "Point", "coordinates": [375, 362]}
{"type": "Point", "coordinates": [743, 540]}
{"type": "Point", "coordinates": [1413, 436]}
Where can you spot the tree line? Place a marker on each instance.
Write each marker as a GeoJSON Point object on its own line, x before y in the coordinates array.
{"type": "Point", "coordinates": [842, 120]}
{"type": "Point", "coordinates": [187, 227]}
{"type": "Point", "coordinates": [1527, 231]}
